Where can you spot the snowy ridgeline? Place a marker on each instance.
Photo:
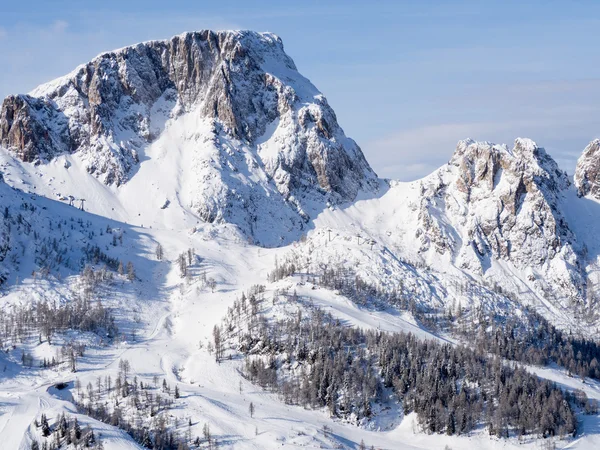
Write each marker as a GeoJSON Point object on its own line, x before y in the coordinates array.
{"type": "Point", "coordinates": [240, 278]}
{"type": "Point", "coordinates": [218, 130]}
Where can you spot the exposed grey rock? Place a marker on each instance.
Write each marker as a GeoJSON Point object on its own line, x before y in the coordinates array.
{"type": "Point", "coordinates": [505, 206]}
{"type": "Point", "coordinates": [587, 172]}
{"type": "Point", "coordinates": [242, 80]}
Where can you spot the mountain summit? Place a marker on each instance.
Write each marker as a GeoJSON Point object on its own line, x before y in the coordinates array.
{"type": "Point", "coordinates": [232, 100]}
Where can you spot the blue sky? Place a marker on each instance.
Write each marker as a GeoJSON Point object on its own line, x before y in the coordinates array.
{"type": "Point", "coordinates": [406, 79]}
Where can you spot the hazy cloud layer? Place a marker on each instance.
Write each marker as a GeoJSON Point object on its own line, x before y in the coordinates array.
{"type": "Point", "coordinates": [560, 116]}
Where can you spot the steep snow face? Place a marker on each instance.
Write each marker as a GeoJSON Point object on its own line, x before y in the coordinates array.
{"type": "Point", "coordinates": [587, 172]}
{"type": "Point", "coordinates": [107, 109]}
{"type": "Point", "coordinates": [492, 202]}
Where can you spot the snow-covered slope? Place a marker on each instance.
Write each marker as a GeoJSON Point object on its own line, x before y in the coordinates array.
{"type": "Point", "coordinates": [213, 146]}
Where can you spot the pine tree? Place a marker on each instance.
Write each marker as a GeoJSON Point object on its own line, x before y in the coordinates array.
{"type": "Point", "coordinates": [76, 431]}
{"type": "Point", "coordinates": [130, 271]}
{"type": "Point", "coordinates": [218, 343]}
{"type": "Point", "coordinates": [206, 432]}
{"type": "Point", "coordinates": [45, 426]}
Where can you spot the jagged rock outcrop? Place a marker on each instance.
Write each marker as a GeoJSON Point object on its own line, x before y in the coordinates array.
{"type": "Point", "coordinates": [587, 172]}
{"type": "Point", "coordinates": [492, 203]}
{"type": "Point", "coordinates": [32, 127]}
{"type": "Point", "coordinates": [275, 149]}
{"type": "Point", "coordinates": [110, 108]}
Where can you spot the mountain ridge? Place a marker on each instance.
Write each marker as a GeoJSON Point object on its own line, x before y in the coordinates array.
{"type": "Point", "coordinates": [198, 196]}
{"type": "Point", "coordinates": [252, 143]}
{"type": "Point", "coordinates": [241, 85]}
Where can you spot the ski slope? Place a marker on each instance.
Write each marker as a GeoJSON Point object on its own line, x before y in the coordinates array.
{"type": "Point", "coordinates": [175, 321]}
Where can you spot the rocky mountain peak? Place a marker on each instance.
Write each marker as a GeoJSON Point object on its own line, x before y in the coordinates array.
{"type": "Point", "coordinates": [260, 135]}
{"type": "Point", "coordinates": [503, 204]}
{"type": "Point", "coordinates": [111, 108]}
{"type": "Point", "coordinates": [587, 171]}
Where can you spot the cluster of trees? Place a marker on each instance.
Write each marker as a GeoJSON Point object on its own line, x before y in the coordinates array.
{"type": "Point", "coordinates": [184, 260]}
{"type": "Point", "coordinates": [531, 339]}
{"type": "Point", "coordinates": [244, 310]}
{"type": "Point", "coordinates": [283, 270]}
{"type": "Point", "coordinates": [312, 360]}
{"type": "Point", "coordinates": [56, 248]}
{"type": "Point", "coordinates": [453, 389]}
{"type": "Point", "coordinates": [64, 433]}
{"type": "Point", "coordinates": [130, 270]}
{"type": "Point", "coordinates": [94, 255]}
{"type": "Point", "coordinates": [43, 319]}
{"type": "Point", "coordinates": [141, 409]}
{"type": "Point", "coordinates": [331, 367]}
{"type": "Point", "coordinates": [69, 352]}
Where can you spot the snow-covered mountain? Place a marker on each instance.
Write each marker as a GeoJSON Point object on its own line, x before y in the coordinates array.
{"type": "Point", "coordinates": [493, 203]}
{"type": "Point", "coordinates": [587, 171]}
{"type": "Point", "coordinates": [208, 170]}
{"type": "Point", "coordinates": [263, 141]}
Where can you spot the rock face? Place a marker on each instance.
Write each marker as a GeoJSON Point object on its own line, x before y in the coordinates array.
{"type": "Point", "coordinates": [492, 203]}
{"type": "Point", "coordinates": [587, 172]}
{"type": "Point", "coordinates": [276, 147]}
{"type": "Point", "coordinates": [109, 109]}
{"type": "Point", "coordinates": [25, 127]}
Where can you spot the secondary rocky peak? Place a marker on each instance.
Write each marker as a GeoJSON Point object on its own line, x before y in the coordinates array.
{"type": "Point", "coordinates": [503, 204]}
{"type": "Point", "coordinates": [481, 164]}
{"type": "Point", "coordinates": [478, 163]}
{"type": "Point", "coordinates": [587, 172]}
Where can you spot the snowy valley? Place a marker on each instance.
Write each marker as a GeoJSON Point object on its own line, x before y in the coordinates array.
{"type": "Point", "coordinates": [193, 254]}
